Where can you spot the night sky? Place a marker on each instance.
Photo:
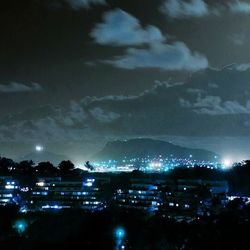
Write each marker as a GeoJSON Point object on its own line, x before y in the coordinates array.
{"type": "Point", "coordinates": [77, 73]}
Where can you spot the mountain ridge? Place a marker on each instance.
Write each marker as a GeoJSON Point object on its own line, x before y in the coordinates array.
{"type": "Point", "coordinates": [140, 148]}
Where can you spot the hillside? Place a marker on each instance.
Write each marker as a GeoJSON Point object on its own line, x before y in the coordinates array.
{"type": "Point", "coordinates": [117, 150]}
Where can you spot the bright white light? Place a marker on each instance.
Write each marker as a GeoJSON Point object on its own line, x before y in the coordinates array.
{"type": "Point", "coordinates": [9, 186]}
{"type": "Point", "coordinates": [155, 164]}
{"type": "Point", "coordinates": [39, 148]}
{"type": "Point", "coordinates": [227, 163]}
{"type": "Point", "coordinates": [88, 184]}
{"type": "Point", "coordinates": [40, 184]}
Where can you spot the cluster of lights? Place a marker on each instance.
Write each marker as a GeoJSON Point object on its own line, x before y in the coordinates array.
{"type": "Point", "coordinates": [155, 164]}
{"type": "Point", "coordinates": [54, 207]}
{"type": "Point", "coordinates": [149, 164]}
{"type": "Point", "coordinates": [89, 182]}
{"type": "Point", "coordinates": [40, 184]}
{"type": "Point", "coordinates": [10, 185]}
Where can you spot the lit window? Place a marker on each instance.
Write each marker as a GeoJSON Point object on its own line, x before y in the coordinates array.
{"type": "Point", "coordinates": [9, 186]}
{"type": "Point", "coordinates": [40, 184]}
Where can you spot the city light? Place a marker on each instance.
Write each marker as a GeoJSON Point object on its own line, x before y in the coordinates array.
{"type": "Point", "coordinates": [40, 184]}
{"type": "Point", "coordinates": [88, 184]}
{"type": "Point", "coordinates": [155, 164]}
{"type": "Point", "coordinates": [120, 233]}
{"type": "Point", "coordinates": [20, 226]}
{"type": "Point", "coordinates": [227, 163]}
{"type": "Point", "coordinates": [9, 186]}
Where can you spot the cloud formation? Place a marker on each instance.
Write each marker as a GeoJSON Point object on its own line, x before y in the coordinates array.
{"type": "Point", "coordinates": [209, 99]}
{"type": "Point", "coordinates": [213, 105]}
{"type": "Point", "coordinates": [14, 87]}
{"type": "Point", "coordinates": [243, 66]}
{"type": "Point", "coordinates": [104, 116]}
{"type": "Point", "coordinates": [176, 56]}
{"type": "Point", "coordinates": [182, 8]}
{"type": "Point", "coordinates": [120, 28]}
{"type": "Point", "coordinates": [238, 6]}
{"type": "Point", "coordinates": [79, 4]}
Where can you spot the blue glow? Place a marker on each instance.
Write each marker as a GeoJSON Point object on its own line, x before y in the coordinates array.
{"type": "Point", "coordinates": [88, 184]}
{"type": "Point", "coordinates": [120, 233]}
{"type": "Point", "coordinates": [155, 164]}
{"type": "Point", "coordinates": [20, 226]}
{"type": "Point", "coordinates": [23, 210]}
{"type": "Point", "coordinates": [53, 207]}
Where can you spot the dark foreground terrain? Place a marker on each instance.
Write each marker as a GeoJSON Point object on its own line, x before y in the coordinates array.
{"type": "Point", "coordinates": [80, 230]}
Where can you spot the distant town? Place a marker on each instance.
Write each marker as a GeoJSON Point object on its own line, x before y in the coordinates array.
{"type": "Point", "coordinates": [177, 185]}
{"type": "Point", "coordinates": [178, 189]}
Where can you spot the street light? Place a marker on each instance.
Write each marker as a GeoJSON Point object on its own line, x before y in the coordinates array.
{"type": "Point", "coordinates": [20, 226]}
{"type": "Point", "coordinates": [120, 234]}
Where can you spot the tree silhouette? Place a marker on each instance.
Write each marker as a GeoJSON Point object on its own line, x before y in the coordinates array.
{"type": "Point", "coordinates": [45, 169]}
{"type": "Point", "coordinates": [25, 166]}
{"type": "Point", "coordinates": [66, 166]}
{"type": "Point", "coordinates": [6, 165]}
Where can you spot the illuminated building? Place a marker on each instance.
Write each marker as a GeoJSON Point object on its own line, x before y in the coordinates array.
{"type": "Point", "coordinates": [195, 196]}
{"type": "Point", "coordinates": [57, 194]}
{"type": "Point", "coordinates": [215, 187]}
{"type": "Point", "coordinates": [8, 191]}
{"type": "Point", "coordinates": [180, 197]}
{"type": "Point", "coordinates": [142, 194]}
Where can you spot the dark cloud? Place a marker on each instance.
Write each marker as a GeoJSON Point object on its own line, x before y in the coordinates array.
{"type": "Point", "coordinates": [238, 66]}
{"type": "Point", "coordinates": [210, 103]}
{"type": "Point", "coordinates": [14, 87]}
{"type": "Point", "coordinates": [213, 105]}
{"type": "Point", "coordinates": [243, 66]}
{"type": "Point", "coordinates": [103, 116]}
{"type": "Point", "coordinates": [239, 6]}
{"type": "Point", "coordinates": [206, 99]}
{"type": "Point", "coordinates": [238, 38]}
{"type": "Point", "coordinates": [79, 4]}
